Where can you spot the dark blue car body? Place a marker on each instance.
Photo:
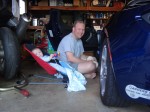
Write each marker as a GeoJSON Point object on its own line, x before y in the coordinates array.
{"type": "Point", "coordinates": [129, 40]}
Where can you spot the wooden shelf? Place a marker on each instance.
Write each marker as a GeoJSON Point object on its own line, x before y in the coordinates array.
{"type": "Point", "coordinates": [98, 18]}
{"type": "Point", "coordinates": [75, 8]}
{"type": "Point", "coordinates": [35, 27]}
{"type": "Point", "coordinates": [56, 7]}
{"type": "Point", "coordinates": [92, 9]}
{"type": "Point", "coordinates": [105, 8]}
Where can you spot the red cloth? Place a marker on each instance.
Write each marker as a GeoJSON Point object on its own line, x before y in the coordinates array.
{"type": "Point", "coordinates": [50, 70]}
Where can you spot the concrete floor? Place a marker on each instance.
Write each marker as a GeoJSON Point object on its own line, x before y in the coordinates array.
{"type": "Point", "coordinates": [56, 98]}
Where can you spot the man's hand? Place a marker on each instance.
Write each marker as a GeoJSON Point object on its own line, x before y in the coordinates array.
{"type": "Point", "coordinates": [91, 58]}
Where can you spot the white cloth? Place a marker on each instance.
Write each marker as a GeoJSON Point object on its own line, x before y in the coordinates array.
{"type": "Point", "coordinates": [77, 81]}
{"type": "Point", "coordinates": [58, 68]}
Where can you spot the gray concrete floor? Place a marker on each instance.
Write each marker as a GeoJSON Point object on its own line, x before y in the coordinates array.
{"type": "Point", "coordinates": [56, 98]}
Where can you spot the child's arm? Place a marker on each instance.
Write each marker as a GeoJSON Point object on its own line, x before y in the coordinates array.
{"type": "Point", "coordinates": [51, 56]}
{"type": "Point", "coordinates": [47, 58]}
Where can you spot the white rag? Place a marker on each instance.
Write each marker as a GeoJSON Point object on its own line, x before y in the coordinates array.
{"type": "Point", "coordinates": [77, 81]}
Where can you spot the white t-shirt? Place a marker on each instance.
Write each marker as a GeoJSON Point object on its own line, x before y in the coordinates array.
{"type": "Point", "coordinates": [71, 44]}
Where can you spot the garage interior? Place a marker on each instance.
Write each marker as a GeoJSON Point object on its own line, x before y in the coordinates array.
{"type": "Point", "coordinates": [49, 94]}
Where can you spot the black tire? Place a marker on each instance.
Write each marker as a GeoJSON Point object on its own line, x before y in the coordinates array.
{"type": "Point", "coordinates": [108, 90]}
{"type": "Point", "coordinates": [9, 53]}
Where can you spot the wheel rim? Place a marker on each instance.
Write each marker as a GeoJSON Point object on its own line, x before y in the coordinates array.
{"type": "Point", "coordinates": [1, 57]}
{"type": "Point", "coordinates": [103, 70]}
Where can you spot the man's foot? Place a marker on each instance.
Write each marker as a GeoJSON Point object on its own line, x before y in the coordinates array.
{"type": "Point", "coordinates": [90, 76]}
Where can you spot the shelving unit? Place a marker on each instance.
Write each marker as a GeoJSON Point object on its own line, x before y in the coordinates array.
{"type": "Point", "coordinates": [35, 27]}
{"type": "Point", "coordinates": [87, 10]}
{"type": "Point", "coordinates": [76, 7]}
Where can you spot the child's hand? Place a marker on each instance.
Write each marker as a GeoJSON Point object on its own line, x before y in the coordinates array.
{"type": "Point", "coordinates": [51, 56]}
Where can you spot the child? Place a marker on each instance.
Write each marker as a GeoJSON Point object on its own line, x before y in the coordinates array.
{"type": "Point", "coordinates": [48, 59]}
{"type": "Point", "coordinates": [76, 80]}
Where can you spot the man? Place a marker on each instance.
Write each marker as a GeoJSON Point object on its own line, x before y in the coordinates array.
{"type": "Point", "coordinates": [71, 51]}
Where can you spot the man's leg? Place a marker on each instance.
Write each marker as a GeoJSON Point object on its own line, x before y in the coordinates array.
{"type": "Point", "coordinates": [88, 69]}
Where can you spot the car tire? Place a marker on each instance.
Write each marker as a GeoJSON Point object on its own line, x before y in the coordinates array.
{"type": "Point", "coordinates": [108, 90]}
{"type": "Point", "coordinates": [9, 53]}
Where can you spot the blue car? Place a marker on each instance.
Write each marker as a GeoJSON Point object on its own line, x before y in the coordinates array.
{"type": "Point", "coordinates": [125, 56]}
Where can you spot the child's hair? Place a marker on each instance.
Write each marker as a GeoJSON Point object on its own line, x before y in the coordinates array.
{"type": "Point", "coordinates": [30, 46]}
{"type": "Point", "coordinates": [35, 49]}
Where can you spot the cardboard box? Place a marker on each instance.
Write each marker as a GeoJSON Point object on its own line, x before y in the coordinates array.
{"type": "Point", "coordinates": [76, 3]}
{"type": "Point", "coordinates": [43, 3]}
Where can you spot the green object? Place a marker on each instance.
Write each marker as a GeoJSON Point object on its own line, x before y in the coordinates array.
{"type": "Point", "coordinates": [50, 49]}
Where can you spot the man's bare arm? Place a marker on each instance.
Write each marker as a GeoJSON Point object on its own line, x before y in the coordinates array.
{"type": "Point", "coordinates": [73, 59]}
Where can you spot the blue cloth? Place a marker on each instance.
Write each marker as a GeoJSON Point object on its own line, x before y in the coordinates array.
{"type": "Point", "coordinates": [77, 81]}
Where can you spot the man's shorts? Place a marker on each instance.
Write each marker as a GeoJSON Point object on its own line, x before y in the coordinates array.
{"type": "Point", "coordinates": [74, 65]}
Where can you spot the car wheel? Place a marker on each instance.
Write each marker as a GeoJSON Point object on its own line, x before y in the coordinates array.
{"type": "Point", "coordinates": [108, 91]}
{"type": "Point", "coordinates": [9, 53]}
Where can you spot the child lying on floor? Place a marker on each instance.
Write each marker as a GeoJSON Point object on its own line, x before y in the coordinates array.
{"type": "Point", "coordinates": [48, 58]}
{"type": "Point", "coordinates": [76, 79]}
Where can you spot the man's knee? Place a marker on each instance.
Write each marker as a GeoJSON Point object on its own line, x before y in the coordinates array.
{"type": "Point", "coordinates": [91, 65]}
{"type": "Point", "coordinates": [87, 67]}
